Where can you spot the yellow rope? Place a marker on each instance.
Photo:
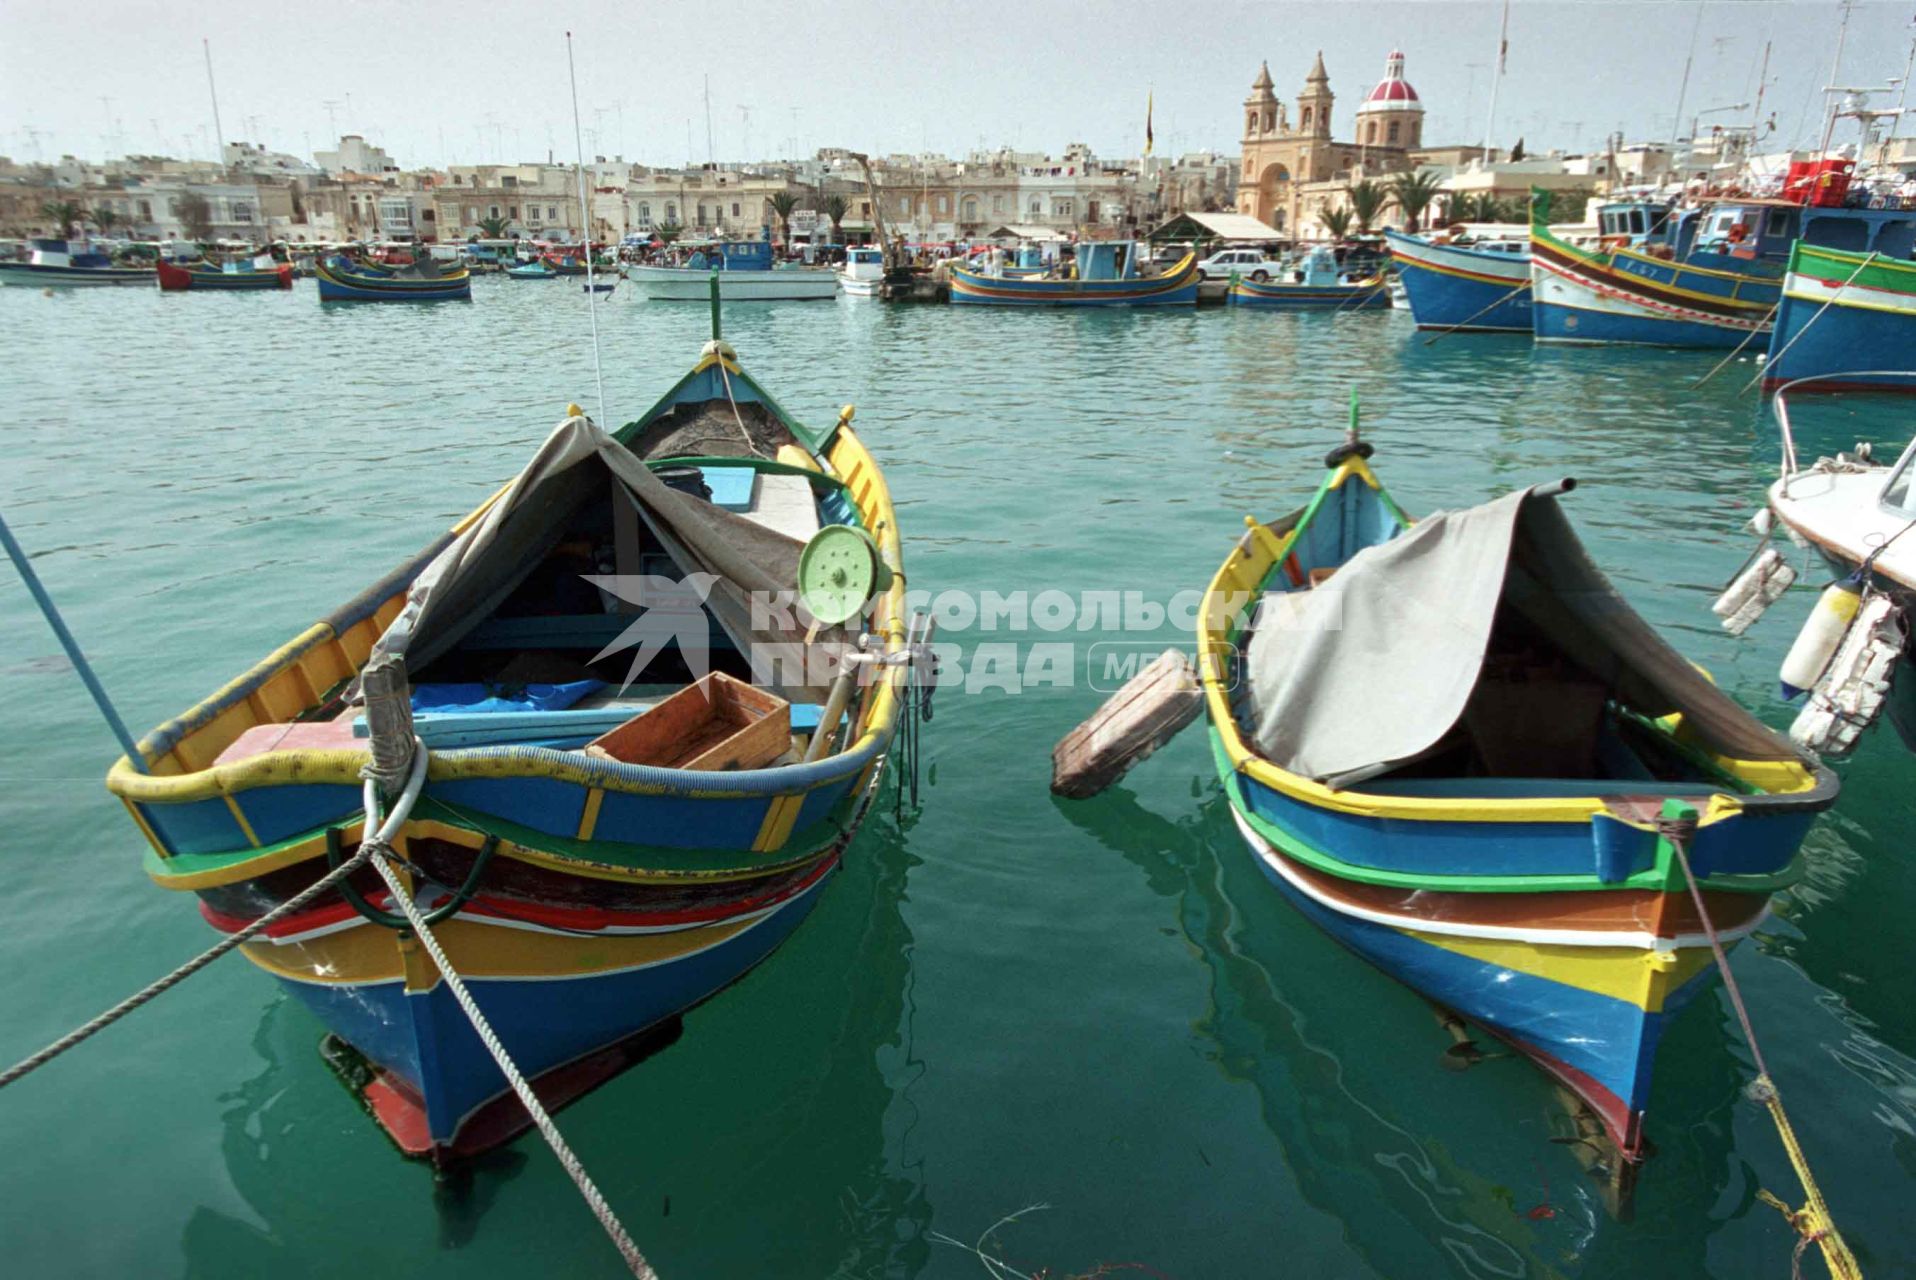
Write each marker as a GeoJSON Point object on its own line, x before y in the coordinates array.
{"type": "Point", "coordinates": [1812, 1223]}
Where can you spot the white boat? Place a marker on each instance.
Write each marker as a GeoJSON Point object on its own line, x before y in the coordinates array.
{"type": "Point", "coordinates": [864, 271]}
{"type": "Point", "coordinates": [57, 262]}
{"type": "Point", "coordinates": [745, 272]}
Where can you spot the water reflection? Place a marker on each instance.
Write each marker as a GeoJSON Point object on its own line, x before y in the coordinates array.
{"type": "Point", "coordinates": [774, 1137]}
{"type": "Point", "coordinates": [1429, 1171]}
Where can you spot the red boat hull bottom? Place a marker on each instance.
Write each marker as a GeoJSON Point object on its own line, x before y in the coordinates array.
{"type": "Point", "coordinates": [402, 1113]}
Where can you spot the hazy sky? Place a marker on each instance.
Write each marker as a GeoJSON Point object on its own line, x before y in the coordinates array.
{"type": "Point", "coordinates": [439, 81]}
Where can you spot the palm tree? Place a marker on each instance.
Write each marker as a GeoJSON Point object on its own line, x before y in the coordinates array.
{"type": "Point", "coordinates": [196, 216]}
{"type": "Point", "coordinates": [1413, 193]}
{"type": "Point", "coordinates": [1367, 200]}
{"type": "Point", "coordinates": [65, 215]}
{"type": "Point", "coordinates": [836, 209]}
{"type": "Point", "coordinates": [1335, 221]}
{"type": "Point", "coordinates": [494, 228]}
{"type": "Point", "coordinates": [1478, 206]}
{"type": "Point", "coordinates": [782, 204]}
{"type": "Point", "coordinates": [105, 218]}
{"type": "Point", "coordinates": [667, 232]}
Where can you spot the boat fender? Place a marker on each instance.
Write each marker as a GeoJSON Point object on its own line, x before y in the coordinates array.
{"type": "Point", "coordinates": [1853, 692]}
{"type": "Point", "coordinates": [1762, 522]}
{"type": "Point", "coordinates": [1760, 584]}
{"type": "Point", "coordinates": [1816, 643]}
{"type": "Point", "coordinates": [1354, 449]}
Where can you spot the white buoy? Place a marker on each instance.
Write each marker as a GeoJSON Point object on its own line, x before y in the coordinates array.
{"type": "Point", "coordinates": [1816, 642]}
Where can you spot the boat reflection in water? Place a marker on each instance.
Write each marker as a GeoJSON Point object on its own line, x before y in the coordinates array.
{"type": "Point", "coordinates": [786, 1072]}
{"type": "Point", "coordinates": [1425, 1171]}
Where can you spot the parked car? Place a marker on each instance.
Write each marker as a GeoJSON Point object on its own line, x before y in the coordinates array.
{"type": "Point", "coordinates": [1248, 263]}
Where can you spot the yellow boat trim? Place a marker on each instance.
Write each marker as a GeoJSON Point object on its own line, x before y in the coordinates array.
{"type": "Point", "coordinates": [246, 828]}
{"type": "Point", "coordinates": [780, 816]}
{"type": "Point", "coordinates": [1631, 974]}
{"type": "Point", "coordinates": [372, 953]}
{"type": "Point", "coordinates": [308, 850]}
{"type": "Point", "coordinates": [589, 819]}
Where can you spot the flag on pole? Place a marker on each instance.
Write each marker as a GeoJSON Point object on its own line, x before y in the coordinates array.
{"type": "Point", "coordinates": [1147, 122]}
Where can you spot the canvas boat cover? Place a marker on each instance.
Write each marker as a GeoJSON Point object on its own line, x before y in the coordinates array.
{"type": "Point", "coordinates": [1375, 666]}
{"type": "Point", "coordinates": [577, 463]}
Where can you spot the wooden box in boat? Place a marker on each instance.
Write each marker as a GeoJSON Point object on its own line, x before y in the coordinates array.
{"type": "Point", "coordinates": [718, 723]}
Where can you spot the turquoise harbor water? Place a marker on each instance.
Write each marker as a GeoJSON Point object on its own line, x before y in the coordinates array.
{"type": "Point", "coordinates": [1005, 1000]}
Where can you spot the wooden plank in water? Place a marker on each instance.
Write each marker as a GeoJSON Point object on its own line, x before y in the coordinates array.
{"type": "Point", "coordinates": [1133, 722]}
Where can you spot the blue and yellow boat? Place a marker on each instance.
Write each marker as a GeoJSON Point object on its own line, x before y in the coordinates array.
{"type": "Point", "coordinates": [1463, 288]}
{"type": "Point", "coordinates": [1505, 842]}
{"type": "Point", "coordinates": [600, 855]}
{"type": "Point", "coordinates": [1103, 273]}
{"type": "Point", "coordinates": [343, 281]}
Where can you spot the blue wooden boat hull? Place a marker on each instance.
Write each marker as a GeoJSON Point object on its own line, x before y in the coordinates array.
{"type": "Point", "coordinates": [1304, 297]}
{"type": "Point", "coordinates": [1464, 290]}
{"type": "Point", "coordinates": [337, 287]}
{"type": "Point", "coordinates": [1631, 298]}
{"type": "Point", "coordinates": [1847, 322]}
{"type": "Point", "coordinates": [1176, 288]}
{"type": "Point", "coordinates": [38, 274]}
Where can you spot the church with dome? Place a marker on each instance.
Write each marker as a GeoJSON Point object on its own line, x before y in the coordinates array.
{"type": "Point", "coordinates": [1293, 169]}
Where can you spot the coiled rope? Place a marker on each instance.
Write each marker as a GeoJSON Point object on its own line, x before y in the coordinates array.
{"type": "Point", "coordinates": [382, 854]}
{"type": "Point", "coordinates": [1812, 1223]}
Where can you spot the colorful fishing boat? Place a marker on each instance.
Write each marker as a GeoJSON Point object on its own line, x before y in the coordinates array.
{"type": "Point", "coordinates": [598, 854]}
{"type": "Point", "coordinates": [537, 269]}
{"type": "Point", "coordinates": [1502, 842]}
{"type": "Point", "coordinates": [258, 274]}
{"type": "Point", "coordinates": [343, 281]}
{"type": "Point", "coordinates": [746, 271]}
{"type": "Point", "coordinates": [1619, 294]}
{"type": "Point", "coordinates": [1314, 282]}
{"type": "Point", "coordinates": [1103, 273]}
{"type": "Point", "coordinates": [1847, 322]}
{"type": "Point", "coordinates": [56, 262]}
{"type": "Point", "coordinates": [1463, 288]}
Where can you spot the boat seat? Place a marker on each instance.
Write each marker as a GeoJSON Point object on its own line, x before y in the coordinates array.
{"type": "Point", "coordinates": [304, 735]}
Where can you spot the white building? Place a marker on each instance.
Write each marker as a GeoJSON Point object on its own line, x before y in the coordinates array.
{"type": "Point", "coordinates": [355, 155]}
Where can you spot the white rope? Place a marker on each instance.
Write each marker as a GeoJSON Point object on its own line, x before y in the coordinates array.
{"type": "Point", "coordinates": [527, 1098]}
{"type": "Point", "coordinates": [585, 215]}
{"type": "Point", "coordinates": [1828, 303]}
{"type": "Point", "coordinates": [185, 971]}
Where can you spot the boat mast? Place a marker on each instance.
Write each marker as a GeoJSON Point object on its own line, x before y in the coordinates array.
{"type": "Point", "coordinates": [1683, 90]}
{"type": "Point", "coordinates": [219, 134]}
{"type": "Point", "coordinates": [585, 215]}
{"type": "Point", "coordinates": [1503, 48]}
{"type": "Point", "coordinates": [1836, 70]}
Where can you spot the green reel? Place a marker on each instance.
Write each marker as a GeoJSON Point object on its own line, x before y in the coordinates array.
{"type": "Point", "coordinates": [839, 570]}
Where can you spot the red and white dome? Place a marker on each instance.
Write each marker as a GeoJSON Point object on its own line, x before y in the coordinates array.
{"type": "Point", "coordinates": [1393, 92]}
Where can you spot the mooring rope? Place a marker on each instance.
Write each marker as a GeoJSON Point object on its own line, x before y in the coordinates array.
{"type": "Point", "coordinates": [185, 971]}
{"type": "Point", "coordinates": [596, 1201]}
{"type": "Point", "coordinates": [1827, 304]}
{"type": "Point", "coordinates": [1812, 1223]}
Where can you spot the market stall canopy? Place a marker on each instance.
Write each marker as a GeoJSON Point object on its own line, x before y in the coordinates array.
{"type": "Point", "coordinates": [1216, 226]}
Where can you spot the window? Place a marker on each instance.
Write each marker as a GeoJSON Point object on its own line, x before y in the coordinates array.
{"type": "Point", "coordinates": [1777, 223]}
{"type": "Point", "coordinates": [552, 213]}
{"type": "Point", "coordinates": [1370, 133]}
{"type": "Point", "coordinates": [1250, 122]}
{"type": "Point", "coordinates": [512, 211]}
{"type": "Point", "coordinates": [671, 211]}
{"type": "Point", "coordinates": [1037, 207]}
{"type": "Point", "coordinates": [942, 206]}
{"type": "Point", "coordinates": [645, 212]}
{"type": "Point", "coordinates": [495, 211]}
{"type": "Point", "coordinates": [1062, 208]}
{"type": "Point", "coordinates": [904, 204]}
{"type": "Point", "coordinates": [1394, 127]}
{"type": "Point", "coordinates": [146, 211]}
{"type": "Point", "coordinates": [997, 204]}
{"type": "Point", "coordinates": [1305, 119]}
{"type": "Point", "coordinates": [242, 211]}
{"type": "Point", "coordinates": [970, 209]}
{"type": "Point", "coordinates": [507, 180]}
